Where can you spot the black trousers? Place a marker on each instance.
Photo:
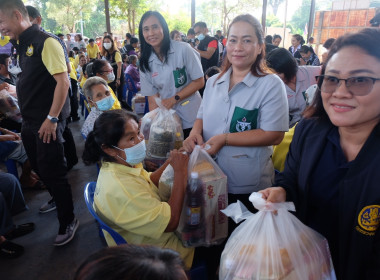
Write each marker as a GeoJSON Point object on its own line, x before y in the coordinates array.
{"type": "Point", "coordinates": [48, 160]}
{"type": "Point", "coordinates": [74, 99]}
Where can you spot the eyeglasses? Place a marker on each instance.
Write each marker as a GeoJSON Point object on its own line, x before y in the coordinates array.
{"type": "Point", "coordinates": [356, 85]}
{"type": "Point", "coordinates": [107, 71]}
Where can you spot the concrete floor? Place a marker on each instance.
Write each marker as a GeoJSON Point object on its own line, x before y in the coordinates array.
{"type": "Point", "coordinates": [41, 259]}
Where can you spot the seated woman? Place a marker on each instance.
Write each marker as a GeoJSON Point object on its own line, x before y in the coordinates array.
{"type": "Point", "coordinates": [133, 71]}
{"type": "Point", "coordinates": [297, 80]}
{"type": "Point", "coordinates": [126, 196]}
{"type": "Point", "coordinates": [98, 95]}
{"type": "Point", "coordinates": [332, 168]}
{"type": "Point", "coordinates": [101, 68]}
{"type": "Point", "coordinates": [308, 56]}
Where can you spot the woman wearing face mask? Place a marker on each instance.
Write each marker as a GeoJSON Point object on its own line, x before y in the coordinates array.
{"type": "Point", "coordinates": [111, 53]}
{"type": "Point", "coordinates": [101, 68]}
{"type": "Point", "coordinates": [98, 95]}
{"type": "Point", "coordinates": [126, 195]}
{"type": "Point", "coordinates": [170, 70]}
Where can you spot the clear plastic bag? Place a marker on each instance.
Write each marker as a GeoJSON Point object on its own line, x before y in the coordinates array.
{"type": "Point", "coordinates": [214, 228]}
{"type": "Point", "coordinates": [9, 105]}
{"type": "Point", "coordinates": [163, 132]}
{"type": "Point", "coordinates": [274, 244]}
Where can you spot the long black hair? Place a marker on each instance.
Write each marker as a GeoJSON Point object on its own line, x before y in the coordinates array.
{"type": "Point", "coordinates": [365, 40]}
{"type": "Point", "coordinates": [146, 49]}
{"type": "Point", "coordinates": [108, 130]}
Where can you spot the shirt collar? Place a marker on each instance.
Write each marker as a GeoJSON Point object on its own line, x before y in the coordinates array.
{"type": "Point", "coordinates": [135, 171]}
{"type": "Point", "coordinates": [248, 80]}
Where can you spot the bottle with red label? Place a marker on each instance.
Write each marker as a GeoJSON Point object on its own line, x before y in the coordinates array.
{"type": "Point", "coordinates": [194, 229]}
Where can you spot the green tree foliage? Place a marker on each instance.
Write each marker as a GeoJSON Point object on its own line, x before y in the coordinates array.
{"type": "Point", "coordinates": [300, 17]}
{"type": "Point", "coordinates": [273, 21]}
{"type": "Point", "coordinates": [95, 24]}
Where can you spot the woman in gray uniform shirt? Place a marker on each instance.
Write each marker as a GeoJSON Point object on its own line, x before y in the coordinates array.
{"type": "Point", "coordinates": [170, 70]}
{"type": "Point", "coordinates": [243, 113]}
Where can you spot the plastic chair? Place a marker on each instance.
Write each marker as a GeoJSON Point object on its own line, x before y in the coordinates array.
{"type": "Point", "coordinates": [89, 198]}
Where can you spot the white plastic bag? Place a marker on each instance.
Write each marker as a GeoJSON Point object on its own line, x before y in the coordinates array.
{"type": "Point", "coordinates": [215, 198]}
{"type": "Point", "coordinates": [274, 244]}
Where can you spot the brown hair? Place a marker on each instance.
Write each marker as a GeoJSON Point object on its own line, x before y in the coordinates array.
{"type": "Point", "coordinates": [365, 39]}
{"type": "Point", "coordinates": [114, 48]}
{"type": "Point", "coordinates": [258, 68]}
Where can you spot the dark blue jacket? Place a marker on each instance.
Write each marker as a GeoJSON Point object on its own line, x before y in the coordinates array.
{"type": "Point", "coordinates": [359, 196]}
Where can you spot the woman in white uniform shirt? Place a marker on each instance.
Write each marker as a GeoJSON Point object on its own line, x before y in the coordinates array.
{"type": "Point", "coordinates": [243, 113]}
{"type": "Point", "coordinates": [170, 70]}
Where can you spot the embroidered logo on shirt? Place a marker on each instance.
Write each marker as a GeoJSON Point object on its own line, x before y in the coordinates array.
{"type": "Point", "coordinates": [29, 51]}
{"type": "Point", "coordinates": [243, 125]}
{"type": "Point", "coordinates": [369, 219]}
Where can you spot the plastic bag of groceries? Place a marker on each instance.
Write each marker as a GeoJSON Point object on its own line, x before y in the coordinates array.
{"type": "Point", "coordinates": [274, 244]}
{"type": "Point", "coordinates": [163, 132]}
{"type": "Point", "coordinates": [9, 105]}
{"type": "Point", "coordinates": [212, 225]}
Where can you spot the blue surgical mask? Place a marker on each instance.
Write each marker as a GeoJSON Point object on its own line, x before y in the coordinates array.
{"type": "Point", "coordinates": [135, 154]}
{"type": "Point", "coordinates": [201, 37]}
{"type": "Point", "coordinates": [105, 104]}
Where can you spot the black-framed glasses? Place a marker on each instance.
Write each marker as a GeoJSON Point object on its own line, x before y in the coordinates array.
{"type": "Point", "coordinates": [356, 85]}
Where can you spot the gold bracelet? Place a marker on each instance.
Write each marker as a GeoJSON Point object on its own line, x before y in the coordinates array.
{"type": "Point", "coordinates": [226, 140]}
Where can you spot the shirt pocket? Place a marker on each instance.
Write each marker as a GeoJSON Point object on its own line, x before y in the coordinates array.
{"type": "Point", "coordinates": [180, 77]}
{"type": "Point", "coordinates": [243, 120]}
{"type": "Point", "coordinates": [241, 171]}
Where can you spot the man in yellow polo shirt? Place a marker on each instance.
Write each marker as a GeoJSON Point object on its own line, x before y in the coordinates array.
{"type": "Point", "coordinates": [42, 89]}
{"type": "Point", "coordinates": [92, 50]}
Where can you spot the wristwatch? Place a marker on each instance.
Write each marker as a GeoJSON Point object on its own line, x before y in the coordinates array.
{"type": "Point", "coordinates": [52, 119]}
{"type": "Point", "coordinates": [177, 97]}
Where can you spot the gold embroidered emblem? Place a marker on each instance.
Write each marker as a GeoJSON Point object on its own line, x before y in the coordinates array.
{"type": "Point", "coordinates": [369, 218]}
{"type": "Point", "coordinates": [29, 51]}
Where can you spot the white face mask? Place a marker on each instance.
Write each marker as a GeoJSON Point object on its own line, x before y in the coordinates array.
{"type": "Point", "coordinates": [135, 154]}
{"type": "Point", "coordinates": [14, 69]}
{"type": "Point", "coordinates": [110, 77]}
{"type": "Point", "coordinates": [107, 46]}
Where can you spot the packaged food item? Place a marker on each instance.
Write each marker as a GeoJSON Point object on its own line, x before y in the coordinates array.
{"type": "Point", "coordinates": [138, 104]}
{"type": "Point", "coordinates": [213, 228]}
{"type": "Point", "coordinates": [146, 123]}
{"type": "Point", "coordinates": [274, 245]}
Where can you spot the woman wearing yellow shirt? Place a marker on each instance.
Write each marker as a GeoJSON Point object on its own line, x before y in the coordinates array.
{"type": "Point", "coordinates": [111, 53]}
{"type": "Point", "coordinates": [101, 68]}
{"type": "Point", "coordinates": [126, 195]}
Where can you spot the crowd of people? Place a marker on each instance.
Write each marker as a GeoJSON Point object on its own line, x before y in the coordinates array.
{"type": "Point", "coordinates": [241, 95]}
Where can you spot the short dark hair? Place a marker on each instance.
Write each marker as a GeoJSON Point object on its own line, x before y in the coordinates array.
{"type": "Point", "coordinates": [200, 24]}
{"type": "Point", "coordinates": [3, 58]}
{"type": "Point", "coordinates": [275, 36]}
{"type": "Point", "coordinates": [95, 67]}
{"type": "Point", "coordinates": [14, 5]}
{"type": "Point", "coordinates": [108, 130]}
{"type": "Point", "coordinates": [133, 40]}
{"type": "Point", "coordinates": [60, 35]}
{"type": "Point", "coordinates": [268, 39]}
{"type": "Point", "coordinates": [299, 38]}
{"type": "Point", "coordinates": [375, 21]}
{"type": "Point", "coordinates": [91, 40]}
{"type": "Point", "coordinates": [282, 62]}
{"type": "Point", "coordinates": [365, 40]}
{"type": "Point", "coordinates": [146, 49]}
{"type": "Point", "coordinates": [306, 49]}
{"type": "Point", "coordinates": [190, 31]}
{"type": "Point", "coordinates": [212, 71]}
{"type": "Point", "coordinates": [33, 12]}
{"type": "Point", "coordinates": [76, 49]}
{"type": "Point", "coordinates": [328, 43]}
{"type": "Point", "coordinates": [128, 35]}
{"type": "Point", "coordinates": [132, 262]}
